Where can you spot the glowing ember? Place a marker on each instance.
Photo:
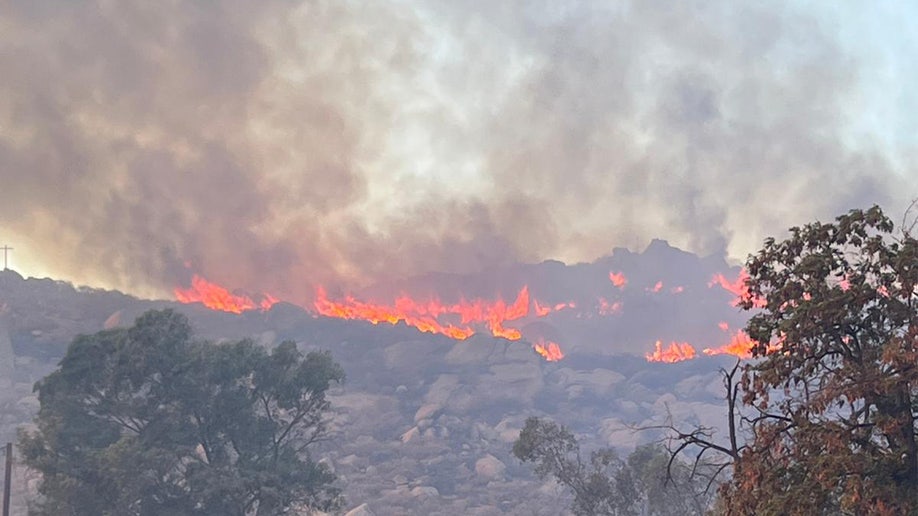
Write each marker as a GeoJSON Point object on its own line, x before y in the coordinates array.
{"type": "Point", "coordinates": [607, 308]}
{"type": "Point", "coordinates": [549, 350]}
{"type": "Point", "coordinates": [676, 352]}
{"type": "Point", "coordinates": [618, 279]}
{"type": "Point", "coordinates": [738, 288]}
{"type": "Point", "coordinates": [658, 286]}
{"type": "Point", "coordinates": [215, 297]}
{"type": "Point", "coordinates": [677, 290]}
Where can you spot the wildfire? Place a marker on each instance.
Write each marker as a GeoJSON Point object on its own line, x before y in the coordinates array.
{"type": "Point", "coordinates": [618, 279]}
{"type": "Point", "coordinates": [457, 321]}
{"type": "Point", "coordinates": [462, 319]}
{"type": "Point", "coordinates": [738, 288]}
{"type": "Point", "coordinates": [426, 316]}
{"type": "Point", "coordinates": [609, 308]}
{"type": "Point", "coordinates": [740, 346]}
{"type": "Point", "coordinates": [420, 316]}
{"type": "Point", "coordinates": [550, 351]}
{"type": "Point", "coordinates": [215, 297]}
{"type": "Point", "coordinates": [676, 352]}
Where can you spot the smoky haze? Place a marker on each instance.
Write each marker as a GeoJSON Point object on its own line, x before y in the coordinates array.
{"type": "Point", "coordinates": [276, 145]}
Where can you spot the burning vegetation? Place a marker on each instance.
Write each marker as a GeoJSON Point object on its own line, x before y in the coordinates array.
{"type": "Point", "coordinates": [464, 318]}
{"type": "Point", "coordinates": [458, 321]}
{"type": "Point", "coordinates": [215, 297]}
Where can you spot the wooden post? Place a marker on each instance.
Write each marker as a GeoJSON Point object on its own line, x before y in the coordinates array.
{"type": "Point", "coordinates": [6, 249]}
{"type": "Point", "coordinates": [7, 483]}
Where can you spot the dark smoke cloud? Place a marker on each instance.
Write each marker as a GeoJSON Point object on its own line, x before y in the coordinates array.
{"type": "Point", "coordinates": [275, 145]}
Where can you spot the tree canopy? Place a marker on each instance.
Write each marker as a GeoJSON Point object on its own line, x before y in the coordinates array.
{"type": "Point", "coordinates": [149, 420]}
{"type": "Point", "coordinates": [824, 418]}
{"type": "Point", "coordinates": [833, 394]}
{"type": "Point", "coordinates": [647, 482]}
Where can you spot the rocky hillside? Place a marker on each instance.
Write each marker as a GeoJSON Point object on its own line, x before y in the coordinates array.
{"type": "Point", "coordinates": [424, 424]}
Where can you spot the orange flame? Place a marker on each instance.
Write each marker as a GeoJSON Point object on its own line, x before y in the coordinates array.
{"type": "Point", "coordinates": [549, 350]}
{"type": "Point", "coordinates": [541, 310]}
{"type": "Point", "coordinates": [740, 346]}
{"type": "Point", "coordinates": [215, 297]}
{"type": "Point", "coordinates": [618, 279]}
{"type": "Point", "coordinates": [425, 316]}
{"type": "Point", "coordinates": [422, 317]}
{"type": "Point", "coordinates": [676, 352]}
{"type": "Point", "coordinates": [738, 288]}
{"type": "Point", "coordinates": [267, 302]}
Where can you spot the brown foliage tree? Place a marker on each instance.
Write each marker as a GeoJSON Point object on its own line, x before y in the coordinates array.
{"type": "Point", "coordinates": [829, 404]}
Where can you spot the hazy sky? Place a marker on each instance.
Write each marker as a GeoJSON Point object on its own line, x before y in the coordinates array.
{"type": "Point", "coordinates": [274, 145]}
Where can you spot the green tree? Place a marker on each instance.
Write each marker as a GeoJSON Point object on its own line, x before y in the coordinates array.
{"type": "Point", "coordinates": [149, 420]}
{"type": "Point", "coordinates": [647, 483]}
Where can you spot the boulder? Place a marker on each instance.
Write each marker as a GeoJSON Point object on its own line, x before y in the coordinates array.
{"type": "Point", "coordinates": [427, 411]}
{"type": "Point", "coordinates": [360, 510]}
{"type": "Point", "coordinates": [411, 436]}
{"type": "Point", "coordinates": [425, 492]}
{"type": "Point", "coordinates": [490, 467]}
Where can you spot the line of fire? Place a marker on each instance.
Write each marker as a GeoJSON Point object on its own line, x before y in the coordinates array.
{"type": "Point", "coordinates": [496, 317]}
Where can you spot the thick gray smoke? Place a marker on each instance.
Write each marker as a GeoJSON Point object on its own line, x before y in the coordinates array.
{"type": "Point", "coordinates": [288, 144]}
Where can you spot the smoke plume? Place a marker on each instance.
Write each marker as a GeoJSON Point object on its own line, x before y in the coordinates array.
{"type": "Point", "coordinates": [276, 145]}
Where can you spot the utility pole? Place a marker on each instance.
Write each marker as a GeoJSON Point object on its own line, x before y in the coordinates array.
{"type": "Point", "coordinates": [6, 249]}
{"type": "Point", "coordinates": [7, 483]}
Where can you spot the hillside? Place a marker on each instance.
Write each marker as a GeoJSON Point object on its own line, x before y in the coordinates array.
{"type": "Point", "coordinates": [424, 423]}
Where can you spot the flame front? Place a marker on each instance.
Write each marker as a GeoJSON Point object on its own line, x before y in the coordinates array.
{"type": "Point", "coordinates": [740, 346]}
{"type": "Point", "coordinates": [426, 316]}
{"type": "Point", "coordinates": [675, 352]}
{"type": "Point", "coordinates": [420, 316]}
{"type": "Point", "coordinates": [215, 297]}
{"type": "Point", "coordinates": [463, 319]}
